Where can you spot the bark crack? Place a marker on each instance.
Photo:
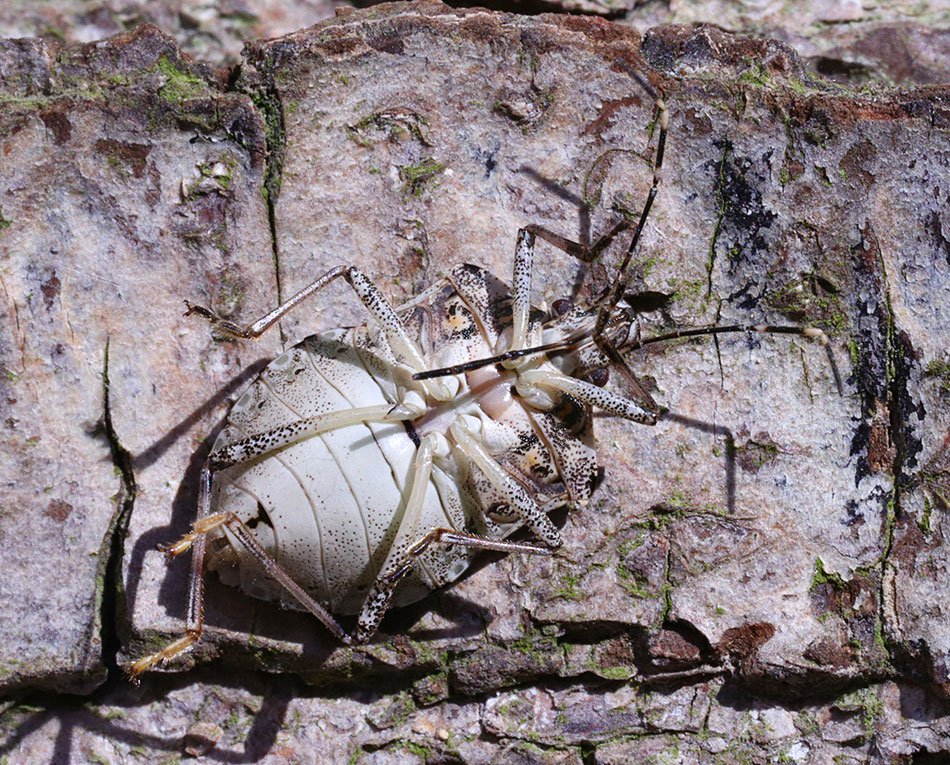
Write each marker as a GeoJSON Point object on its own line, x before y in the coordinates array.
{"type": "Point", "coordinates": [722, 203]}
{"type": "Point", "coordinates": [262, 90]}
{"type": "Point", "coordinates": [112, 551]}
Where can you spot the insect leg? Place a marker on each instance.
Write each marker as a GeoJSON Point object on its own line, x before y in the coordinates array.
{"type": "Point", "coordinates": [584, 253]}
{"type": "Point", "coordinates": [620, 284]}
{"type": "Point", "coordinates": [408, 545]}
{"type": "Point", "coordinates": [264, 443]}
{"type": "Point", "coordinates": [514, 494]}
{"type": "Point", "coordinates": [196, 540]}
{"type": "Point", "coordinates": [194, 621]}
{"type": "Point", "coordinates": [255, 330]}
{"type": "Point", "coordinates": [377, 602]}
{"type": "Point", "coordinates": [813, 333]}
{"type": "Point", "coordinates": [523, 269]}
{"type": "Point", "coordinates": [589, 253]}
{"type": "Point", "coordinates": [598, 397]}
{"type": "Point", "coordinates": [403, 348]}
{"type": "Point", "coordinates": [521, 290]}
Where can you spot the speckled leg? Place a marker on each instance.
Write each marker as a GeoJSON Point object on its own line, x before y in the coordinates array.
{"type": "Point", "coordinates": [517, 499]}
{"type": "Point", "coordinates": [597, 397]}
{"type": "Point", "coordinates": [257, 328]}
{"type": "Point", "coordinates": [410, 543]}
{"type": "Point", "coordinates": [403, 347]}
{"type": "Point", "coordinates": [377, 602]}
{"type": "Point", "coordinates": [521, 290]}
{"type": "Point", "coordinates": [261, 444]}
{"type": "Point", "coordinates": [196, 541]}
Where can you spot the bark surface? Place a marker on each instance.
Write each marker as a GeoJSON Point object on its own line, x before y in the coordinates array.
{"type": "Point", "coordinates": [761, 575]}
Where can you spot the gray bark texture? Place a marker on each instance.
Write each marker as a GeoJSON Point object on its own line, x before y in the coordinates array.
{"type": "Point", "coordinates": [761, 577]}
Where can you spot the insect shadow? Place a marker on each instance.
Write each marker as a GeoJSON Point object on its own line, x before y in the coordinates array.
{"type": "Point", "coordinates": [585, 235]}
{"type": "Point", "coordinates": [185, 498]}
{"type": "Point", "coordinates": [75, 716]}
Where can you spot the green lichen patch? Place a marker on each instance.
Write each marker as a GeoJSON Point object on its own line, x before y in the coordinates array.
{"type": "Point", "coordinates": [396, 125]}
{"type": "Point", "coordinates": [756, 453]}
{"type": "Point", "coordinates": [939, 370]}
{"type": "Point", "coordinates": [756, 75]}
{"type": "Point", "coordinates": [179, 84]}
{"type": "Point", "coordinates": [812, 299]}
{"type": "Point", "coordinates": [419, 176]}
{"type": "Point", "coordinates": [214, 176]}
{"type": "Point", "coordinates": [568, 588]}
{"type": "Point", "coordinates": [822, 577]}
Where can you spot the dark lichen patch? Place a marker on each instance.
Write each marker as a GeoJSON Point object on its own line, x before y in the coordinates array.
{"type": "Point", "coordinates": [57, 122]}
{"type": "Point", "coordinates": [743, 643]}
{"type": "Point", "coordinates": [126, 159]}
{"type": "Point", "coordinates": [5, 223]}
{"type": "Point", "coordinates": [907, 411]}
{"type": "Point", "coordinates": [59, 510]}
{"type": "Point", "coordinates": [50, 288]}
{"type": "Point", "coordinates": [744, 215]}
{"type": "Point", "coordinates": [873, 331]}
{"type": "Point", "coordinates": [739, 232]}
{"type": "Point", "coordinates": [756, 452]}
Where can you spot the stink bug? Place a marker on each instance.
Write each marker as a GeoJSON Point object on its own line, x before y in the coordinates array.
{"type": "Point", "coordinates": [366, 466]}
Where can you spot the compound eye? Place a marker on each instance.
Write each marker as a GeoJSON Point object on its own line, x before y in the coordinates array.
{"type": "Point", "coordinates": [598, 376]}
{"type": "Point", "coordinates": [561, 306]}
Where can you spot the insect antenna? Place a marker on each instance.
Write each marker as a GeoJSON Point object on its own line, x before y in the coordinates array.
{"type": "Point", "coordinates": [468, 366]}
{"type": "Point", "coordinates": [772, 329]}
{"type": "Point", "coordinates": [623, 277]}
{"type": "Point", "coordinates": [600, 334]}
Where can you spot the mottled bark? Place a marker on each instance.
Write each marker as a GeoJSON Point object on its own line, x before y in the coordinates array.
{"type": "Point", "coordinates": [761, 574]}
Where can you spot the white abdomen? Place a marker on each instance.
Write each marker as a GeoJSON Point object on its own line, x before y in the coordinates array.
{"type": "Point", "coordinates": [328, 507]}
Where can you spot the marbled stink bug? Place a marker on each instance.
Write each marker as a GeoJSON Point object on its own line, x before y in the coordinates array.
{"type": "Point", "coordinates": [366, 466]}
